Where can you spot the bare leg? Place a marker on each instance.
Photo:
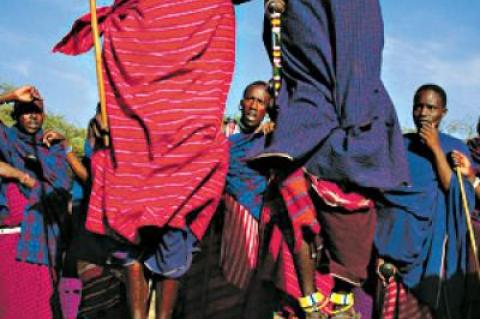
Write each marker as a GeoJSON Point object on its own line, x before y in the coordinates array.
{"type": "Point", "coordinates": [136, 290]}
{"type": "Point", "coordinates": [167, 292]}
{"type": "Point", "coordinates": [305, 265]}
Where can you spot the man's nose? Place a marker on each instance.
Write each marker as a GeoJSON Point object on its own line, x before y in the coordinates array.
{"type": "Point", "coordinates": [424, 111]}
{"type": "Point", "coordinates": [257, 103]}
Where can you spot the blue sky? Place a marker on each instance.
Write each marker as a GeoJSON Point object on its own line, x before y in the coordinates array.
{"type": "Point", "coordinates": [426, 41]}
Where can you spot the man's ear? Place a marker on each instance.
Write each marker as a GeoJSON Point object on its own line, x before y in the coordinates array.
{"type": "Point", "coordinates": [240, 106]}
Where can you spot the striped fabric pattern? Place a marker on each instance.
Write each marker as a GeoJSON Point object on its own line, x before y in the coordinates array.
{"type": "Point", "coordinates": [168, 66]}
{"type": "Point", "coordinates": [399, 304]}
{"type": "Point", "coordinates": [240, 242]}
{"type": "Point", "coordinates": [333, 196]}
{"type": "Point", "coordinates": [287, 279]}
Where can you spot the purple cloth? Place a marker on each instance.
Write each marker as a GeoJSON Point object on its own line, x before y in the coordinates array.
{"type": "Point", "coordinates": [335, 116]}
{"type": "Point", "coordinates": [363, 302]}
{"type": "Point", "coordinates": [49, 166]}
{"type": "Point", "coordinates": [70, 296]}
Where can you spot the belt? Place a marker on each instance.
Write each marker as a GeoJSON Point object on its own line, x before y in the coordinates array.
{"type": "Point", "coordinates": [10, 230]}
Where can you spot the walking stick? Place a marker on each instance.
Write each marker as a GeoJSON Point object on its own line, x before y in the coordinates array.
{"type": "Point", "coordinates": [275, 15]}
{"type": "Point", "coordinates": [98, 67]}
{"type": "Point", "coordinates": [473, 244]}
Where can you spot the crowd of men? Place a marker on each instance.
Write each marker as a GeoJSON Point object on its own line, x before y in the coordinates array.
{"type": "Point", "coordinates": [328, 211]}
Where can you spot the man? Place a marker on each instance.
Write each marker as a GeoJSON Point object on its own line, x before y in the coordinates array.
{"type": "Point", "coordinates": [421, 230]}
{"type": "Point", "coordinates": [244, 190]}
{"type": "Point", "coordinates": [33, 200]}
{"type": "Point", "coordinates": [473, 293]}
{"type": "Point", "coordinates": [331, 106]}
{"type": "Point", "coordinates": [168, 67]}
{"type": "Point", "coordinates": [474, 147]}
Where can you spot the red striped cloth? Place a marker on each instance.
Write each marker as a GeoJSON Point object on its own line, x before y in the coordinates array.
{"type": "Point", "coordinates": [240, 240]}
{"type": "Point", "coordinates": [168, 66]}
{"type": "Point", "coordinates": [286, 278]}
{"type": "Point", "coordinates": [333, 195]}
{"type": "Point", "coordinates": [400, 304]}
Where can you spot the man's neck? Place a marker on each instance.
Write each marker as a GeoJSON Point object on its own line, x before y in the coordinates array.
{"type": "Point", "coordinates": [245, 129]}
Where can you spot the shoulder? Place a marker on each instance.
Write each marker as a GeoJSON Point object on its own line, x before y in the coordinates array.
{"type": "Point", "coordinates": [408, 138]}
{"type": "Point", "coordinates": [451, 143]}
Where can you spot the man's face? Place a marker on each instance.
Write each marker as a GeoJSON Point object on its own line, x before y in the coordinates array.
{"type": "Point", "coordinates": [254, 106]}
{"type": "Point", "coordinates": [31, 116]}
{"type": "Point", "coordinates": [428, 108]}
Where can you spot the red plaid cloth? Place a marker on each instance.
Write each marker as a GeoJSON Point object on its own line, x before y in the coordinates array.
{"type": "Point", "coordinates": [301, 210]}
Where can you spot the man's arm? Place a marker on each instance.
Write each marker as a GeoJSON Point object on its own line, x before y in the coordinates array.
{"type": "Point", "coordinates": [7, 171]}
{"type": "Point", "coordinates": [25, 93]}
{"type": "Point", "coordinates": [465, 165]}
{"type": "Point", "coordinates": [51, 137]}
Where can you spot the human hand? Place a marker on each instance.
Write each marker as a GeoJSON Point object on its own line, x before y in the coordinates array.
{"type": "Point", "coordinates": [461, 161]}
{"type": "Point", "coordinates": [429, 135]}
{"type": "Point", "coordinates": [51, 137]}
{"type": "Point", "coordinates": [27, 180]}
{"type": "Point", "coordinates": [266, 128]}
{"type": "Point", "coordinates": [26, 93]}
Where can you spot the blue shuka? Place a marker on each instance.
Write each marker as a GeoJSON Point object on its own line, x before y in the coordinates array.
{"type": "Point", "coordinates": [423, 228]}
{"type": "Point", "coordinates": [335, 116]}
{"type": "Point", "coordinates": [52, 191]}
{"type": "Point", "coordinates": [244, 183]}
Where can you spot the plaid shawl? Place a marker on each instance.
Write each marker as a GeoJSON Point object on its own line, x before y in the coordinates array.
{"type": "Point", "coordinates": [49, 166]}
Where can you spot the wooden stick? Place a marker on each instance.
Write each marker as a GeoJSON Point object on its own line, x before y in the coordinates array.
{"type": "Point", "coordinates": [98, 67]}
{"type": "Point", "coordinates": [473, 244]}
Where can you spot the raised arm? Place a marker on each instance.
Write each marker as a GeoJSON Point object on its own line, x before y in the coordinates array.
{"type": "Point", "coordinates": [25, 93]}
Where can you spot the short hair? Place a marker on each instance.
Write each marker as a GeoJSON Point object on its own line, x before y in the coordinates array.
{"type": "Point", "coordinates": [434, 87]}
{"type": "Point", "coordinates": [20, 108]}
{"type": "Point", "coordinates": [255, 83]}
{"type": "Point", "coordinates": [478, 126]}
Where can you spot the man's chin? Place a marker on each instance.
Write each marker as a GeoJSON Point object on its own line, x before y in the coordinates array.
{"type": "Point", "coordinates": [31, 130]}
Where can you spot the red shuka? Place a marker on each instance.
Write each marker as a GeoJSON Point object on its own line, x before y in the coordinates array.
{"type": "Point", "coordinates": [167, 66]}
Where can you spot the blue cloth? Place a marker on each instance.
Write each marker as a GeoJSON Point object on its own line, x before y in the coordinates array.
{"type": "Point", "coordinates": [174, 253]}
{"type": "Point", "coordinates": [244, 183]}
{"type": "Point", "coordinates": [78, 189]}
{"type": "Point", "coordinates": [334, 115]}
{"type": "Point", "coordinates": [421, 224]}
{"type": "Point", "coordinates": [47, 201]}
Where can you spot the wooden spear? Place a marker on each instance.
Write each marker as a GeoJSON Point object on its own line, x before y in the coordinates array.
{"type": "Point", "coordinates": [473, 244]}
{"type": "Point", "coordinates": [98, 67]}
